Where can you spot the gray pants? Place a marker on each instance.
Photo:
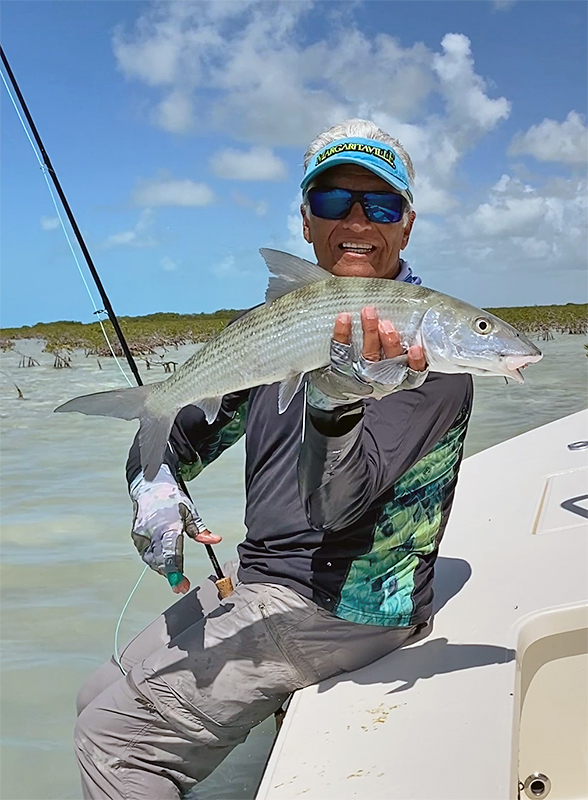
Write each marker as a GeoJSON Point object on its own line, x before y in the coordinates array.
{"type": "Point", "coordinates": [200, 677]}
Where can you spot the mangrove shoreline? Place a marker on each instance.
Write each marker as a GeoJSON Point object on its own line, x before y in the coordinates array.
{"type": "Point", "coordinates": [169, 330]}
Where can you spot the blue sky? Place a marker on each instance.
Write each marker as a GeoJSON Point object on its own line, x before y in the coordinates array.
{"type": "Point", "coordinates": [177, 130]}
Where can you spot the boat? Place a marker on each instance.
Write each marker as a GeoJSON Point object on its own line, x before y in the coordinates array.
{"type": "Point", "coordinates": [490, 702]}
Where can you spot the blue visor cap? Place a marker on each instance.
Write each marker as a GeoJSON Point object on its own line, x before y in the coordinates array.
{"type": "Point", "coordinates": [371, 154]}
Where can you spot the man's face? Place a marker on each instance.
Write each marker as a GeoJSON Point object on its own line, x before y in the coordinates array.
{"type": "Point", "coordinates": [333, 240]}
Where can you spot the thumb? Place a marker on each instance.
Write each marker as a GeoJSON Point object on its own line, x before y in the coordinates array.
{"type": "Point", "coordinates": [191, 529]}
{"type": "Point", "coordinates": [206, 537]}
{"type": "Point", "coordinates": [178, 582]}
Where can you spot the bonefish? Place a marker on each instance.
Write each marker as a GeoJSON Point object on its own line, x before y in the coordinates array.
{"type": "Point", "coordinates": [289, 336]}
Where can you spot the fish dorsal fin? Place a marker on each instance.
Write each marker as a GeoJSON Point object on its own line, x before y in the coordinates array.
{"type": "Point", "coordinates": [289, 273]}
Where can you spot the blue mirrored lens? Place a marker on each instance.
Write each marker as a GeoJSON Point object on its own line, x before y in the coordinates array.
{"type": "Point", "coordinates": [330, 203]}
{"type": "Point", "coordinates": [380, 207]}
{"type": "Point", "coordinates": [383, 207]}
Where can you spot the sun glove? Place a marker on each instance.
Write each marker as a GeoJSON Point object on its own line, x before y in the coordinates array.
{"type": "Point", "coordinates": [347, 379]}
{"type": "Point", "coordinates": [162, 513]}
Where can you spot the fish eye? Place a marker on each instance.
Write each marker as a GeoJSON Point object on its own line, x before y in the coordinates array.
{"type": "Point", "coordinates": [482, 325]}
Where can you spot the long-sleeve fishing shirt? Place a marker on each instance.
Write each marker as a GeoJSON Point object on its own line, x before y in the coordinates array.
{"type": "Point", "coordinates": [346, 511]}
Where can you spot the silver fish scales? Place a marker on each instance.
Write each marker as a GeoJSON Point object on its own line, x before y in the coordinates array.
{"type": "Point", "coordinates": [292, 335]}
{"type": "Point", "coordinates": [289, 336]}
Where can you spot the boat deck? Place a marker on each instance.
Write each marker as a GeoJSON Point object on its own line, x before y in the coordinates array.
{"type": "Point", "coordinates": [440, 718]}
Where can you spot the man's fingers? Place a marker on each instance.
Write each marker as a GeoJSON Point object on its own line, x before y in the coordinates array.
{"type": "Point", "coordinates": [416, 358]}
{"type": "Point", "coordinates": [371, 334]}
{"type": "Point", "coordinates": [390, 339]}
{"type": "Point", "coordinates": [206, 537]}
{"type": "Point", "coordinates": [191, 529]}
{"type": "Point", "coordinates": [378, 336]}
{"type": "Point", "coordinates": [342, 329]}
{"type": "Point", "coordinates": [182, 587]}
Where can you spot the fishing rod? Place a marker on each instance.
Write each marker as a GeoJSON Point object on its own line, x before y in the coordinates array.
{"type": "Point", "coordinates": [47, 161]}
{"type": "Point", "coordinates": [224, 584]}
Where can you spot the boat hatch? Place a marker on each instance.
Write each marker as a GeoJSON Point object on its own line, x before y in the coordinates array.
{"type": "Point", "coordinates": [564, 502]}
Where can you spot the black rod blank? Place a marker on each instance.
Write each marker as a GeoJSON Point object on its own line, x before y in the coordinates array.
{"type": "Point", "coordinates": [47, 161]}
{"type": "Point", "coordinates": [107, 305]}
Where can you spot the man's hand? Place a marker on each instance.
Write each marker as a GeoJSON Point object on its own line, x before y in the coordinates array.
{"type": "Point", "coordinates": [379, 336]}
{"type": "Point", "coordinates": [382, 368]}
{"type": "Point", "coordinates": [162, 514]}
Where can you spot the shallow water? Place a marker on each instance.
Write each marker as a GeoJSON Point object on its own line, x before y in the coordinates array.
{"type": "Point", "coordinates": [68, 565]}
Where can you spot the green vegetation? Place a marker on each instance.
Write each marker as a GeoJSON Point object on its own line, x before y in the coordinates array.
{"type": "Point", "coordinates": [544, 321]}
{"type": "Point", "coordinates": [144, 334]}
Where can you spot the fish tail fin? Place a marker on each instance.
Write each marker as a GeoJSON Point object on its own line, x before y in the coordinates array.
{"type": "Point", "coordinates": [121, 403]}
{"type": "Point", "coordinates": [131, 403]}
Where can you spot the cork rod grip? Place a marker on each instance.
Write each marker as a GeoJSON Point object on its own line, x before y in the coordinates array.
{"type": "Point", "coordinates": [224, 586]}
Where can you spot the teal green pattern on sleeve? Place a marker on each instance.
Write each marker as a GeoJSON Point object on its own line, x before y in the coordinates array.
{"type": "Point", "coordinates": [225, 437]}
{"type": "Point", "coordinates": [380, 584]}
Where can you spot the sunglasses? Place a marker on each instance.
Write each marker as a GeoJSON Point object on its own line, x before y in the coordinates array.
{"type": "Point", "coordinates": [380, 207]}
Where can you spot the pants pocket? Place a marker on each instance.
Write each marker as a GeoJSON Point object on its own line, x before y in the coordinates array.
{"type": "Point", "coordinates": [283, 637]}
{"type": "Point", "coordinates": [230, 670]}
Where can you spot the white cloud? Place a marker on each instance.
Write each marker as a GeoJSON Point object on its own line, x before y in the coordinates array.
{"type": "Point", "coordinates": [228, 268]}
{"type": "Point", "coordinates": [533, 248]}
{"type": "Point", "coordinates": [152, 59]}
{"type": "Point", "coordinates": [138, 236]}
{"type": "Point", "coordinates": [253, 72]}
{"type": "Point", "coordinates": [511, 216]}
{"type": "Point", "coordinates": [432, 199]}
{"type": "Point", "coordinates": [259, 207]}
{"type": "Point", "coordinates": [295, 242]}
{"type": "Point", "coordinates": [258, 164]}
{"type": "Point", "coordinates": [519, 210]}
{"type": "Point", "coordinates": [465, 91]}
{"type": "Point", "coordinates": [168, 264]}
{"type": "Point", "coordinates": [165, 191]}
{"type": "Point", "coordinates": [566, 142]}
{"type": "Point", "coordinates": [519, 230]}
{"type": "Point", "coordinates": [248, 69]}
{"type": "Point", "coordinates": [49, 223]}
{"type": "Point", "coordinates": [524, 244]}
{"type": "Point", "coordinates": [174, 113]}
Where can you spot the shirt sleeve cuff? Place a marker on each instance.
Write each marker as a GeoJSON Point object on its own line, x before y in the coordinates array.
{"type": "Point", "coordinates": [329, 436]}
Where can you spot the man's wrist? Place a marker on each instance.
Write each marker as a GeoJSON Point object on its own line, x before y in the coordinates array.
{"type": "Point", "coordinates": [139, 484]}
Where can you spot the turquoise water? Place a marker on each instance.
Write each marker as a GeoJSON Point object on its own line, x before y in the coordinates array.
{"type": "Point", "coordinates": [68, 565]}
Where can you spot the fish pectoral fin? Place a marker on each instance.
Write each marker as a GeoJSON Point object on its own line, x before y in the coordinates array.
{"type": "Point", "coordinates": [339, 386]}
{"type": "Point", "coordinates": [389, 373]}
{"type": "Point", "coordinates": [289, 273]}
{"type": "Point", "coordinates": [210, 406]}
{"type": "Point", "coordinates": [288, 388]}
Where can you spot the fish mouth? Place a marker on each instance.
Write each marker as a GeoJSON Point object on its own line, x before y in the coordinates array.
{"type": "Point", "coordinates": [514, 364]}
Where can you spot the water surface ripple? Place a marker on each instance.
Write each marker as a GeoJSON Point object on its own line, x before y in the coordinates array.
{"type": "Point", "coordinates": [68, 564]}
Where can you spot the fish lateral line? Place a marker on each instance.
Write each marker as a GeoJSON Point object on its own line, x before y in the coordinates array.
{"type": "Point", "coordinates": [288, 337]}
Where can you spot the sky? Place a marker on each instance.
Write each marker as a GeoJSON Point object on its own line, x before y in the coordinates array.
{"type": "Point", "coordinates": [177, 131]}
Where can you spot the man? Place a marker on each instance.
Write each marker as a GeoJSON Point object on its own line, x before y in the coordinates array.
{"type": "Point", "coordinates": [348, 494]}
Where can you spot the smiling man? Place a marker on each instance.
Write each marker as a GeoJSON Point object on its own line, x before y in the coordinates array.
{"type": "Point", "coordinates": [357, 215]}
{"type": "Point", "coordinates": [348, 494]}
{"type": "Point", "coordinates": [353, 244]}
